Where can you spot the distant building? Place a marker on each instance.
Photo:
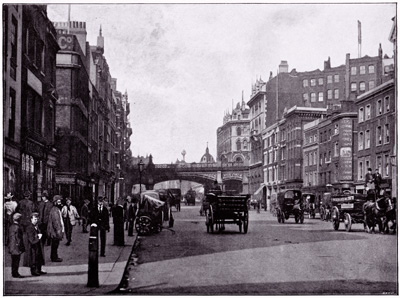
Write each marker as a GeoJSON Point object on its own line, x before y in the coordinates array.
{"type": "Point", "coordinates": [207, 157]}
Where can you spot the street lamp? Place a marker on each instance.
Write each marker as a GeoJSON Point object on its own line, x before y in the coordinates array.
{"type": "Point", "coordinates": [141, 166]}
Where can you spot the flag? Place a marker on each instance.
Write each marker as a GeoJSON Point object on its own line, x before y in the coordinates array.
{"type": "Point", "coordinates": [359, 32]}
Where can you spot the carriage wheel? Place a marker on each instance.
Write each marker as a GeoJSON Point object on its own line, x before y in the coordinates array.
{"type": "Point", "coordinates": [211, 222]}
{"type": "Point", "coordinates": [246, 222]}
{"type": "Point", "coordinates": [143, 225]}
{"type": "Point", "coordinates": [208, 222]}
{"type": "Point", "coordinates": [347, 222]}
{"type": "Point", "coordinates": [335, 219]}
{"type": "Point", "coordinates": [282, 217]}
{"type": "Point", "coordinates": [278, 215]}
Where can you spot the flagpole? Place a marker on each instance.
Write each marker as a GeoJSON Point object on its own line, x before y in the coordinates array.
{"type": "Point", "coordinates": [359, 39]}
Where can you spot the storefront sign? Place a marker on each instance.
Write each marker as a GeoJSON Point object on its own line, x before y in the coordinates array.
{"type": "Point", "coordinates": [65, 180]}
{"type": "Point", "coordinates": [346, 164]}
{"type": "Point", "coordinates": [34, 149]}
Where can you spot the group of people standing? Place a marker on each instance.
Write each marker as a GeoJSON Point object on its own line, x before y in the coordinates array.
{"type": "Point", "coordinates": [29, 227]}
{"type": "Point", "coordinates": [372, 184]}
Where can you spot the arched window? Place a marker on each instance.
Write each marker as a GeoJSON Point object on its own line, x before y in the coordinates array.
{"type": "Point", "coordinates": [238, 145]}
{"type": "Point", "coordinates": [239, 159]}
{"type": "Point", "coordinates": [238, 131]}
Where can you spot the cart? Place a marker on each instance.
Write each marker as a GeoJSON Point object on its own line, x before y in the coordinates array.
{"type": "Point", "coordinates": [151, 213]}
{"type": "Point", "coordinates": [347, 208]}
{"type": "Point", "coordinates": [222, 208]}
{"type": "Point", "coordinates": [290, 202]}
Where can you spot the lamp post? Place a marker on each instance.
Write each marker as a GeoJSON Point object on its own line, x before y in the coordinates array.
{"type": "Point", "coordinates": [141, 166]}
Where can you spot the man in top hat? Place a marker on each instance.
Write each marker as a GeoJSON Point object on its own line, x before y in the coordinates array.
{"type": "Point", "coordinates": [9, 209]}
{"type": "Point", "coordinates": [99, 216]}
{"type": "Point", "coordinates": [44, 212]}
{"type": "Point", "coordinates": [55, 228]}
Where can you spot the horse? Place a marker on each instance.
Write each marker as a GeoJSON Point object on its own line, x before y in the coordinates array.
{"type": "Point", "coordinates": [379, 213]}
{"type": "Point", "coordinates": [390, 218]}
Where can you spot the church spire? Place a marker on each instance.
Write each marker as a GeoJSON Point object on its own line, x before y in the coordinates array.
{"type": "Point", "coordinates": [100, 40]}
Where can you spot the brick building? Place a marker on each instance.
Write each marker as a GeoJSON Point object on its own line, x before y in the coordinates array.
{"type": "Point", "coordinates": [38, 101]}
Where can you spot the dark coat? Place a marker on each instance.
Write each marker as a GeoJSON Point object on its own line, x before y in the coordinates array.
{"type": "Point", "coordinates": [34, 252]}
{"type": "Point", "coordinates": [85, 212]}
{"type": "Point", "coordinates": [26, 207]}
{"type": "Point", "coordinates": [44, 212]}
{"type": "Point", "coordinates": [55, 227]}
{"type": "Point", "coordinates": [131, 214]}
{"type": "Point", "coordinates": [100, 219]}
{"type": "Point", "coordinates": [118, 216]}
{"type": "Point", "coordinates": [15, 240]}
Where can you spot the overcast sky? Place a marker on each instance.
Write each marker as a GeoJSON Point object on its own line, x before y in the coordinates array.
{"type": "Point", "coordinates": [183, 64]}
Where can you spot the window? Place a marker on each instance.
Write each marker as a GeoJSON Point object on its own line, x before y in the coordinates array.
{"type": "Point", "coordinates": [35, 108]}
{"type": "Point", "coordinates": [320, 96]}
{"type": "Point", "coordinates": [336, 78]}
{"type": "Point", "coordinates": [238, 145]}
{"type": "Point", "coordinates": [379, 163]}
{"type": "Point", "coordinates": [362, 86]}
{"type": "Point", "coordinates": [305, 96]}
{"type": "Point", "coordinates": [360, 140]}
{"type": "Point", "coordinates": [315, 158]}
{"type": "Point", "coordinates": [313, 99]}
{"type": "Point", "coordinates": [378, 136]}
{"type": "Point", "coordinates": [362, 69]}
{"type": "Point", "coordinates": [336, 93]}
{"type": "Point", "coordinates": [379, 107]}
{"type": "Point", "coordinates": [353, 87]}
{"type": "Point", "coordinates": [360, 170]}
{"type": "Point", "coordinates": [305, 83]}
{"type": "Point", "coordinates": [11, 115]}
{"type": "Point", "coordinates": [353, 70]}
{"type": "Point", "coordinates": [386, 132]}
{"type": "Point", "coordinates": [329, 79]}
{"type": "Point", "coordinates": [371, 69]}
{"type": "Point", "coordinates": [336, 130]}
{"type": "Point", "coordinates": [368, 112]}
{"type": "Point", "coordinates": [336, 149]}
{"type": "Point", "coordinates": [371, 85]}
{"type": "Point", "coordinates": [238, 131]}
{"type": "Point", "coordinates": [329, 94]}
{"type": "Point", "coordinates": [312, 82]}
{"type": "Point", "coordinates": [320, 81]}
{"type": "Point", "coordinates": [14, 47]}
{"type": "Point", "coordinates": [360, 115]}
{"type": "Point", "coordinates": [387, 104]}
{"type": "Point", "coordinates": [28, 167]}
{"type": "Point", "coordinates": [367, 139]}
{"type": "Point", "coordinates": [245, 145]}
{"type": "Point", "coordinates": [387, 165]}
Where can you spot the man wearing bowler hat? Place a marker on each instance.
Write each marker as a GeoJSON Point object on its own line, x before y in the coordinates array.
{"type": "Point", "coordinates": [26, 208]}
{"type": "Point", "coordinates": [100, 217]}
{"type": "Point", "coordinates": [44, 212]}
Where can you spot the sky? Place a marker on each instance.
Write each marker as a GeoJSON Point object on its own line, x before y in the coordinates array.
{"type": "Point", "coordinates": [183, 65]}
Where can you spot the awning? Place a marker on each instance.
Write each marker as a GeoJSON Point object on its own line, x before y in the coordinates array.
{"type": "Point", "coordinates": [259, 189]}
{"type": "Point", "coordinates": [258, 193]}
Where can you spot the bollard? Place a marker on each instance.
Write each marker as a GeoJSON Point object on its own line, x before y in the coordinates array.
{"type": "Point", "coordinates": [93, 272]}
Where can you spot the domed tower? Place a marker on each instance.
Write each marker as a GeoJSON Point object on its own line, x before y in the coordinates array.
{"type": "Point", "coordinates": [207, 157]}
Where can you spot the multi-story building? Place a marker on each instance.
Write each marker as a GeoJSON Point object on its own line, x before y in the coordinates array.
{"type": "Point", "coordinates": [72, 113]}
{"type": "Point", "coordinates": [38, 100]}
{"type": "Point", "coordinates": [375, 134]}
{"type": "Point", "coordinates": [233, 137]}
{"type": "Point", "coordinates": [12, 61]}
{"type": "Point", "coordinates": [311, 156]}
{"type": "Point", "coordinates": [257, 125]}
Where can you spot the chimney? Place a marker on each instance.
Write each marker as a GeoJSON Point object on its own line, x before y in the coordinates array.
{"type": "Point", "coordinates": [283, 67]}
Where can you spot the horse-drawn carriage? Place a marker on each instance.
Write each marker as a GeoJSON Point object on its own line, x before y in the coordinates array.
{"type": "Point", "coordinates": [152, 213]}
{"type": "Point", "coordinates": [222, 208]}
{"type": "Point", "coordinates": [290, 202]}
{"type": "Point", "coordinates": [347, 207]}
{"type": "Point", "coordinates": [383, 212]}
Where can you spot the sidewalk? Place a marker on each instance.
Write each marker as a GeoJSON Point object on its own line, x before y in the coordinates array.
{"type": "Point", "coordinates": [70, 276]}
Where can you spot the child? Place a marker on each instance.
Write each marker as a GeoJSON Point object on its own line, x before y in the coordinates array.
{"type": "Point", "coordinates": [34, 256]}
{"type": "Point", "coordinates": [15, 244]}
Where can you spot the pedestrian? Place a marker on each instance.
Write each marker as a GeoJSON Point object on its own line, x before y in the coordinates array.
{"type": "Point", "coordinates": [9, 209]}
{"type": "Point", "coordinates": [55, 228]}
{"type": "Point", "coordinates": [377, 181]}
{"type": "Point", "coordinates": [99, 217]}
{"type": "Point", "coordinates": [15, 245]}
{"type": "Point", "coordinates": [85, 215]}
{"type": "Point", "coordinates": [131, 214]}
{"type": "Point", "coordinates": [26, 208]}
{"type": "Point", "coordinates": [70, 215]}
{"type": "Point", "coordinates": [118, 219]}
{"type": "Point", "coordinates": [44, 211]}
{"type": "Point", "coordinates": [34, 252]}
